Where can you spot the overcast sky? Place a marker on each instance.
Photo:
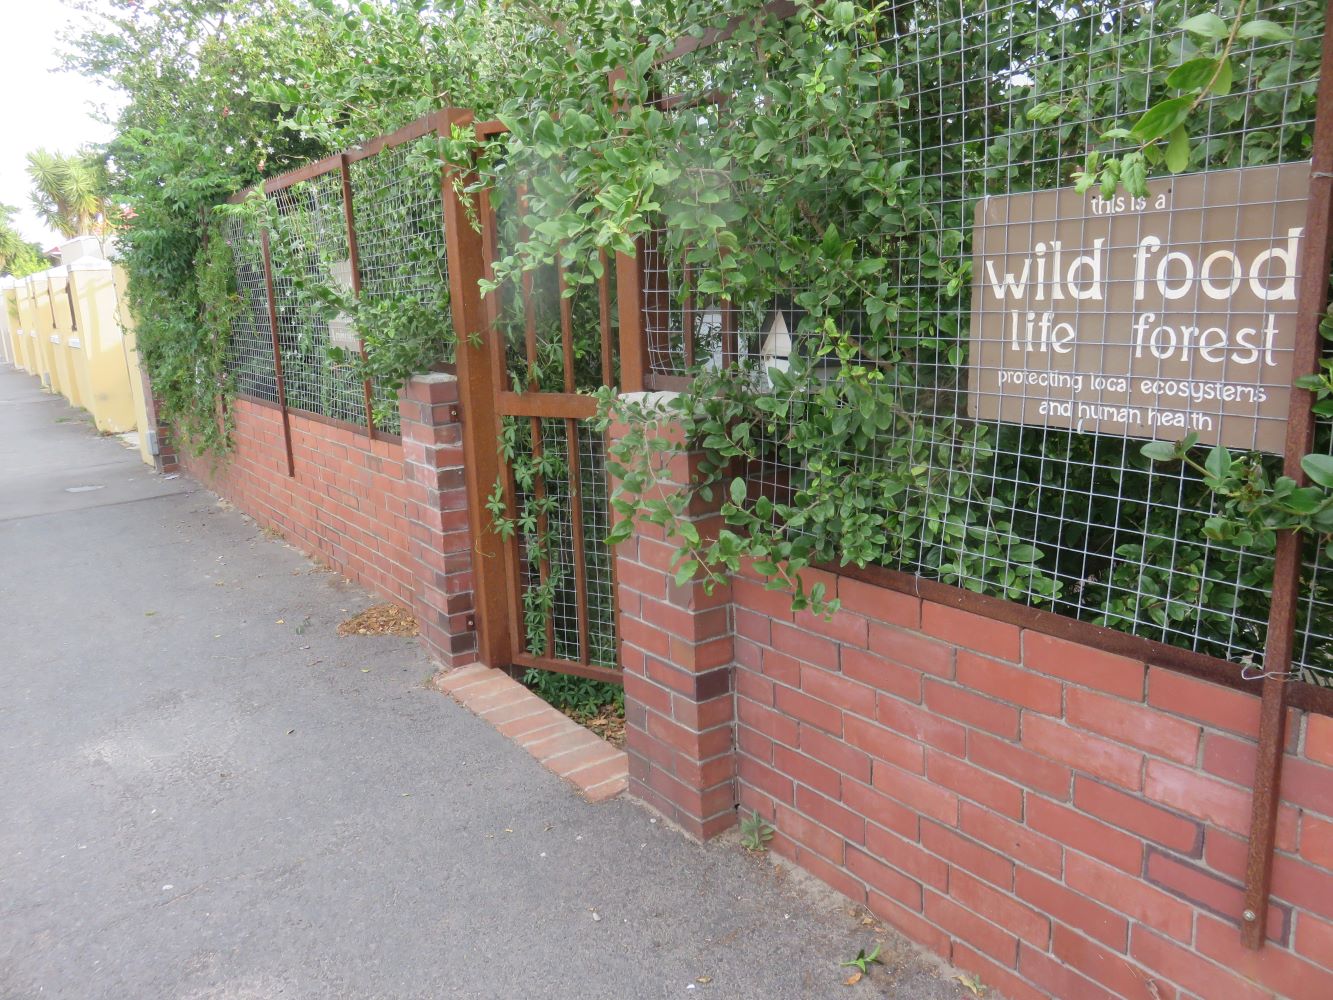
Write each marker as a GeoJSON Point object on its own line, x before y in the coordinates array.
{"type": "Point", "coordinates": [40, 107]}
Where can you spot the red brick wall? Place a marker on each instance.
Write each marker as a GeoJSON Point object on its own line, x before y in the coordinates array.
{"type": "Point", "coordinates": [346, 505]}
{"type": "Point", "coordinates": [1063, 821]}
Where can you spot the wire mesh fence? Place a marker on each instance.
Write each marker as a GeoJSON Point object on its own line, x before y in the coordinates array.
{"type": "Point", "coordinates": [897, 434]}
{"type": "Point", "coordinates": [554, 345]}
{"type": "Point", "coordinates": [250, 350]}
{"type": "Point", "coordinates": [566, 579]}
{"type": "Point", "coordinates": [311, 275]}
{"type": "Point", "coordinates": [328, 300]}
{"type": "Point", "coordinates": [399, 218]}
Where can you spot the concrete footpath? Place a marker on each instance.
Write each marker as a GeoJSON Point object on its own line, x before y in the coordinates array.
{"type": "Point", "coordinates": [205, 793]}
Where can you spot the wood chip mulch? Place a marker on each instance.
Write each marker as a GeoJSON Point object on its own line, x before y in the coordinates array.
{"type": "Point", "coordinates": [609, 724]}
{"type": "Point", "coordinates": [382, 619]}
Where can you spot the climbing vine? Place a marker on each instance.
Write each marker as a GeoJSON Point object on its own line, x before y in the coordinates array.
{"type": "Point", "coordinates": [824, 167]}
{"type": "Point", "coordinates": [857, 451]}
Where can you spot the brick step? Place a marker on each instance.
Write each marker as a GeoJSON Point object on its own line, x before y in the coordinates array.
{"type": "Point", "coordinates": [598, 770]}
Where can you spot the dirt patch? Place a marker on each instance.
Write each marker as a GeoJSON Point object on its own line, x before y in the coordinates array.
{"type": "Point", "coordinates": [609, 724]}
{"type": "Point", "coordinates": [382, 619]}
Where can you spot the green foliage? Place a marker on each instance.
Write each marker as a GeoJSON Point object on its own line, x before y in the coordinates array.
{"type": "Point", "coordinates": [863, 960]}
{"type": "Point", "coordinates": [70, 191]}
{"type": "Point", "coordinates": [579, 696]}
{"type": "Point", "coordinates": [1256, 501]}
{"type": "Point", "coordinates": [756, 832]}
{"type": "Point", "coordinates": [832, 185]}
{"type": "Point", "coordinates": [831, 181]}
{"type": "Point", "coordinates": [1209, 50]}
{"type": "Point", "coordinates": [18, 257]}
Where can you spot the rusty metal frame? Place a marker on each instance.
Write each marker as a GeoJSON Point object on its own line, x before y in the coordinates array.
{"type": "Point", "coordinates": [630, 305]}
{"type": "Point", "coordinates": [566, 406]}
{"type": "Point", "coordinates": [1316, 260]}
{"type": "Point", "coordinates": [277, 351]}
{"type": "Point", "coordinates": [354, 256]}
{"type": "Point", "coordinates": [338, 162]}
{"type": "Point", "coordinates": [479, 385]}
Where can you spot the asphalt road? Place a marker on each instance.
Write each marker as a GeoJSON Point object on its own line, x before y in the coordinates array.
{"type": "Point", "coordinates": [204, 793]}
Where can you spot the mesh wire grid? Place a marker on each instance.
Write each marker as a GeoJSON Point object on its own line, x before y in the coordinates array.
{"type": "Point", "coordinates": [548, 541]}
{"type": "Point", "coordinates": [308, 248]}
{"type": "Point", "coordinates": [532, 318]}
{"type": "Point", "coordinates": [398, 211]}
{"type": "Point", "coordinates": [398, 214]}
{"type": "Point", "coordinates": [250, 350]}
{"type": "Point", "coordinates": [1077, 523]}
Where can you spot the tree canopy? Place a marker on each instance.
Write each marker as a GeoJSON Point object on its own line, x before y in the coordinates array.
{"type": "Point", "coordinates": [18, 257]}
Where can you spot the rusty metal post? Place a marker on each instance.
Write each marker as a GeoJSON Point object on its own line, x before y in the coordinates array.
{"type": "Point", "coordinates": [354, 255]}
{"type": "Point", "coordinates": [1316, 260]}
{"type": "Point", "coordinates": [630, 305]}
{"type": "Point", "coordinates": [479, 385]}
{"type": "Point", "coordinates": [277, 351]}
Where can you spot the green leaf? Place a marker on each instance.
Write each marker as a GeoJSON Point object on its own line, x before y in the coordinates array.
{"type": "Point", "coordinates": [1262, 30]}
{"type": "Point", "coordinates": [1161, 118]}
{"type": "Point", "coordinates": [1319, 468]}
{"type": "Point", "coordinates": [1134, 174]}
{"type": "Point", "coordinates": [1207, 26]}
{"type": "Point", "coordinates": [831, 245]}
{"type": "Point", "coordinates": [1178, 150]}
{"type": "Point", "coordinates": [1024, 553]}
{"type": "Point", "coordinates": [1192, 75]}
{"type": "Point", "coordinates": [1159, 451]}
{"type": "Point", "coordinates": [1222, 85]}
{"type": "Point", "coordinates": [1305, 501]}
{"type": "Point", "coordinates": [1045, 112]}
{"type": "Point", "coordinates": [1218, 463]}
{"type": "Point", "coordinates": [685, 572]}
{"type": "Point", "coordinates": [738, 492]}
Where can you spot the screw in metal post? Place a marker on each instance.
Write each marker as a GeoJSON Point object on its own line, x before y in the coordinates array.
{"type": "Point", "coordinates": [1250, 916]}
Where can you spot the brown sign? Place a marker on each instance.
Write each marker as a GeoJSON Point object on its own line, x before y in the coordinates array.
{"type": "Point", "coordinates": [1150, 317]}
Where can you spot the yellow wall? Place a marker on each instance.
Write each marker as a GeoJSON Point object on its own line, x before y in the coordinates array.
{"type": "Point", "coordinates": [70, 358]}
{"type": "Point", "coordinates": [32, 350]}
{"type": "Point", "coordinates": [132, 363]}
{"type": "Point", "coordinates": [18, 339]}
{"type": "Point", "coordinates": [52, 341]}
{"type": "Point", "coordinates": [93, 362]}
{"type": "Point", "coordinates": [109, 394]}
{"type": "Point", "coordinates": [43, 330]}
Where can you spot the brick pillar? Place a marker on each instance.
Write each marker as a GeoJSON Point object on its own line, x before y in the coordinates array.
{"type": "Point", "coordinates": [161, 444]}
{"type": "Point", "coordinates": [676, 651]}
{"type": "Point", "coordinates": [437, 509]}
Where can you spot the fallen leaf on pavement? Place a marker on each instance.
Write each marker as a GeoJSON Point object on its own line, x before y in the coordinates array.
{"type": "Point", "coordinates": [972, 983]}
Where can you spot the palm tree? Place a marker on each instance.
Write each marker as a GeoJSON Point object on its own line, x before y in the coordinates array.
{"type": "Point", "coordinates": [70, 191]}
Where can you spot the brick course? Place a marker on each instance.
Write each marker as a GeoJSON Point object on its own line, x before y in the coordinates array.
{"type": "Point", "coordinates": [1049, 804]}
{"type": "Point", "coordinates": [677, 644]}
{"type": "Point", "coordinates": [1060, 820]}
